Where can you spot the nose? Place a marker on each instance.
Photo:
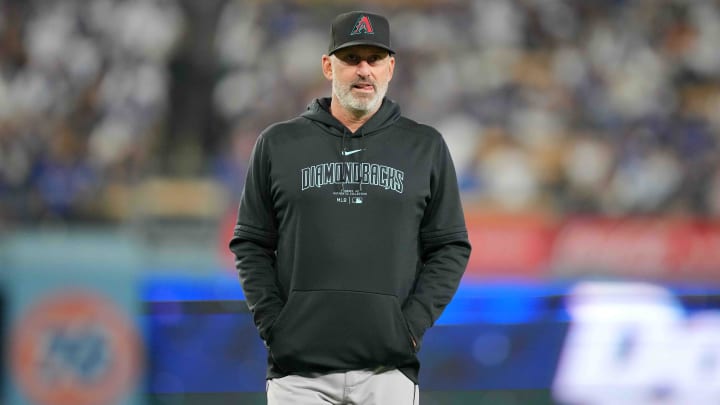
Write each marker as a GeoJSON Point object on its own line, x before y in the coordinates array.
{"type": "Point", "coordinates": [363, 68]}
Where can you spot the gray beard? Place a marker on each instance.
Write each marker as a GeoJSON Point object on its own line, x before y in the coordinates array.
{"type": "Point", "coordinates": [358, 106]}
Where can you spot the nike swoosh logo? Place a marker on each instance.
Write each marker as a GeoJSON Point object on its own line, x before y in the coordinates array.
{"type": "Point", "coordinates": [350, 152]}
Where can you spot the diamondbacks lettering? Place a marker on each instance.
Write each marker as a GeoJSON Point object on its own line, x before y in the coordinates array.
{"type": "Point", "coordinates": [352, 173]}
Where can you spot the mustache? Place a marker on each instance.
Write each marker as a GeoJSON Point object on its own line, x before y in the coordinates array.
{"type": "Point", "coordinates": [363, 83]}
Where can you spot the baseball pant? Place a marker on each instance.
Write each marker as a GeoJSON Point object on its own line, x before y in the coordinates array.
{"type": "Point", "coordinates": [359, 387]}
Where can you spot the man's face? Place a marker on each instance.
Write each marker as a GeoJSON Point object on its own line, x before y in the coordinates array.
{"type": "Point", "coordinates": [360, 76]}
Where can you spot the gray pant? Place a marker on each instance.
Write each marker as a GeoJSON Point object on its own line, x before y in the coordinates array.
{"type": "Point", "coordinates": [361, 387]}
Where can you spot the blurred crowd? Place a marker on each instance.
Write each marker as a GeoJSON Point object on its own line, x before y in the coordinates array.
{"type": "Point", "coordinates": [559, 107]}
{"type": "Point", "coordinates": [83, 95]}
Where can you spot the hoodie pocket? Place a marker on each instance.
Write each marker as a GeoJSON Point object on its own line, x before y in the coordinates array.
{"type": "Point", "coordinates": [336, 330]}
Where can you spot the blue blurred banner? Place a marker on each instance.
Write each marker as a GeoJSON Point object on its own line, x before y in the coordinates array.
{"type": "Point", "coordinates": [81, 337]}
{"type": "Point", "coordinates": [493, 338]}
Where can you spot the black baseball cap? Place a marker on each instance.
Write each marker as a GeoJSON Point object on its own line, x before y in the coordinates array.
{"type": "Point", "coordinates": [359, 28]}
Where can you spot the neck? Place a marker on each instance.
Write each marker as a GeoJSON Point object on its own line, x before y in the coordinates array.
{"type": "Point", "coordinates": [352, 119]}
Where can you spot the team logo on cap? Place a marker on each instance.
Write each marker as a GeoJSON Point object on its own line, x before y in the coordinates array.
{"type": "Point", "coordinates": [362, 26]}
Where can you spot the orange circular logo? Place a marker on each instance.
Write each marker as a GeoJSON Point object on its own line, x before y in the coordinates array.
{"type": "Point", "coordinates": [75, 348]}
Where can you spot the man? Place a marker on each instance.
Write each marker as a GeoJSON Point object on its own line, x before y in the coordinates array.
{"type": "Point", "coordinates": [350, 239]}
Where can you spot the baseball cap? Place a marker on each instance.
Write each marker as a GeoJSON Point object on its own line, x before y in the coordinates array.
{"type": "Point", "coordinates": [359, 28]}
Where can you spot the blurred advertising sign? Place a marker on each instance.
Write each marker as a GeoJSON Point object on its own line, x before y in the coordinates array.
{"type": "Point", "coordinates": [644, 248]}
{"type": "Point", "coordinates": [73, 339]}
{"type": "Point", "coordinates": [534, 246]}
{"type": "Point", "coordinates": [633, 343]}
{"type": "Point", "coordinates": [509, 246]}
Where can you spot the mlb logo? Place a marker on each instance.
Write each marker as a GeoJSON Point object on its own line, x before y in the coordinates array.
{"type": "Point", "coordinates": [356, 200]}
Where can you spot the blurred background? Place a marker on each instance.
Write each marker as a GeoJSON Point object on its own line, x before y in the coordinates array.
{"type": "Point", "coordinates": [585, 134]}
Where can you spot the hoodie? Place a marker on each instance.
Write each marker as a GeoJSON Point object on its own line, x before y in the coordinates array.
{"type": "Point", "coordinates": [348, 245]}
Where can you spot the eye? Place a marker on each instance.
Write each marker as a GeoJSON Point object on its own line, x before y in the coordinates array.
{"type": "Point", "coordinates": [351, 59]}
{"type": "Point", "coordinates": [372, 59]}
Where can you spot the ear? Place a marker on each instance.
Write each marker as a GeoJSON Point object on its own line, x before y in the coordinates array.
{"type": "Point", "coordinates": [327, 67]}
{"type": "Point", "coordinates": [391, 67]}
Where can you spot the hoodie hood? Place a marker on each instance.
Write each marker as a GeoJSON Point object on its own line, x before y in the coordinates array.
{"type": "Point", "coordinates": [319, 112]}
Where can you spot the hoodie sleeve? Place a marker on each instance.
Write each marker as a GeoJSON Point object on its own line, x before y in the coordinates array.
{"type": "Point", "coordinates": [445, 249]}
{"type": "Point", "coordinates": [254, 243]}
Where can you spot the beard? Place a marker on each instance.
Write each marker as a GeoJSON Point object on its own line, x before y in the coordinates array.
{"type": "Point", "coordinates": [359, 105]}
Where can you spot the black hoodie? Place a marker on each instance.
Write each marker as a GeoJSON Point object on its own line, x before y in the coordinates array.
{"type": "Point", "coordinates": [348, 245]}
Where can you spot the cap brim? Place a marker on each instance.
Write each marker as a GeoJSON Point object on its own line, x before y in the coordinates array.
{"type": "Point", "coordinates": [361, 42]}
